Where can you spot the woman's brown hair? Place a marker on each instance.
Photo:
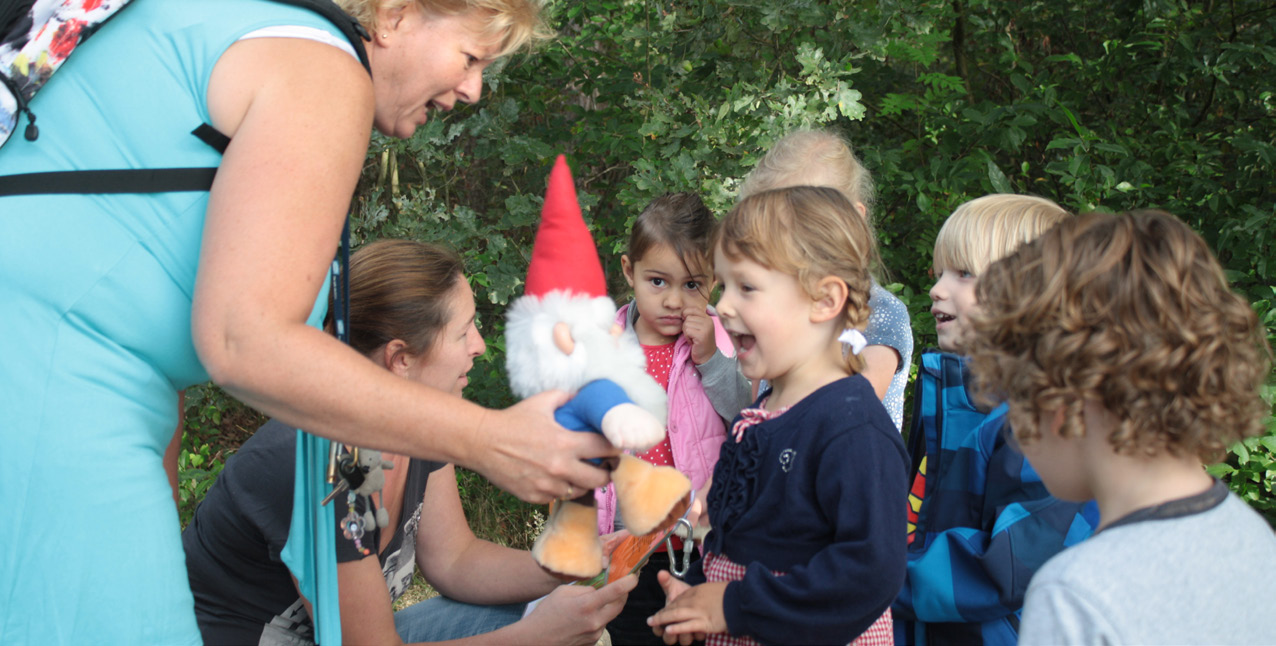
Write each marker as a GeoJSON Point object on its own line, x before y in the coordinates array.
{"type": "Point", "coordinates": [398, 290]}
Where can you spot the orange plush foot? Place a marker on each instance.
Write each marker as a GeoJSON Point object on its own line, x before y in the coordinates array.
{"type": "Point", "coordinates": [647, 494]}
{"type": "Point", "coordinates": [569, 546]}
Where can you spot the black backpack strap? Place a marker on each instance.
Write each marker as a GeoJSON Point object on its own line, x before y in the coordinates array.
{"type": "Point", "coordinates": [127, 180]}
{"type": "Point", "coordinates": [213, 137]}
{"type": "Point", "coordinates": [142, 180]}
{"type": "Point", "coordinates": [339, 301]}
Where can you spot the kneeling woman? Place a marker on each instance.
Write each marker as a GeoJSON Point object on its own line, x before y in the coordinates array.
{"type": "Point", "coordinates": [412, 312]}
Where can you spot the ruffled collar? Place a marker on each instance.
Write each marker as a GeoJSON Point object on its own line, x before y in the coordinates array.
{"type": "Point", "coordinates": [752, 417]}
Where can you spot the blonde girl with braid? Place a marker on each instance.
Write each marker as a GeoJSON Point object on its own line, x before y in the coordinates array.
{"type": "Point", "coordinates": [807, 500]}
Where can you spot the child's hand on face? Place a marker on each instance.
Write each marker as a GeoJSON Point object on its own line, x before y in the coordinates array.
{"type": "Point", "coordinates": [698, 327]}
{"type": "Point", "coordinates": [690, 613]}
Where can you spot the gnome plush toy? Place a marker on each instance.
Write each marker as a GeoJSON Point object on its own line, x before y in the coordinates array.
{"type": "Point", "coordinates": [561, 334]}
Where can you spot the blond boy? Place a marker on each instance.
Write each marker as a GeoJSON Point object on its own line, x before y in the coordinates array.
{"type": "Point", "coordinates": [980, 520]}
{"type": "Point", "coordinates": [1128, 362]}
{"type": "Point", "coordinates": [977, 234]}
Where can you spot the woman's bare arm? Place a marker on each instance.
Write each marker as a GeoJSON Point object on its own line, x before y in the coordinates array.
{"type": "Point", "coordinates": [299, 130]}
{"type": "Point", "coordinates": [462, 566]}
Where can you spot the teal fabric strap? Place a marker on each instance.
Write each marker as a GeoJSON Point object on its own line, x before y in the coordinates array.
{"type": "Point", "coordinates": [311, 550]}
{"type": "Point", "coordinates": [312, 540]}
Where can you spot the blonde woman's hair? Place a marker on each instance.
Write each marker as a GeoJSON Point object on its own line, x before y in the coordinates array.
{"type": "Point", "coordinates": [991, 227]}
{"type": "Point", "coordinates": [809, 233]}
{"type": "Point", "coordinates": [1131, 311]}
{"type": "Point", "coordinates": [514, 24]}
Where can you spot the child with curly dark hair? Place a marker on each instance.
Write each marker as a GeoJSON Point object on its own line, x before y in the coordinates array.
{"type": "Point", "coordinates": [1128, 362]}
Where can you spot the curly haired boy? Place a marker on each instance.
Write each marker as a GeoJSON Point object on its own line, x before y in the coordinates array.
{"type": "Point", "coordinates": [1128, 362]}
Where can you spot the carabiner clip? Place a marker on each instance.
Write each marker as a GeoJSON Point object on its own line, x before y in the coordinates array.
{"type": "Point", "coordinates": [676, 568]}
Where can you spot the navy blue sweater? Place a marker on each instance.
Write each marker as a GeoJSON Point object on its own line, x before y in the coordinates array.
{"type": "Point", "coordinates": [818, 493]}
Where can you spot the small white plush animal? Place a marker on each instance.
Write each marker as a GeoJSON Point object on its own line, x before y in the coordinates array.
{"type": "Point", "coordinates": [373, 468]}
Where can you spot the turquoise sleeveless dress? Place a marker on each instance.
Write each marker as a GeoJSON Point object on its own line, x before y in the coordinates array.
{"type": "Point", "coordinates": [95, 342]}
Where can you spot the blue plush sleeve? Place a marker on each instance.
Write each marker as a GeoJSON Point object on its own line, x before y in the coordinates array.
{"type": "Point", "coordinates": [586, 410]}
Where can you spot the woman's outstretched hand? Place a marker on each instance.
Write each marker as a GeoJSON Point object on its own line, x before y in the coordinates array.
{"type": "Point", "coordinates": [577, 614]}
{"type": "Point", "coordinates": [525, 452]}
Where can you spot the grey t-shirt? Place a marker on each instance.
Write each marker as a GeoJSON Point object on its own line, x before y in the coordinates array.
{"type": "Point", "coordinates": [1192, 571]}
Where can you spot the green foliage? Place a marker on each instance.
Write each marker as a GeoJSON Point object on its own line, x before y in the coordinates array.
{"type": "Point", "coordinates": [497, 516]}
{"type": "Point", "coordinates": [633, 93]}
{"type": "Point", "coordinates": [1250, 469]}
{"type": "Point", "coordinates": [1099, 105]}
{"type": "Point", "coordinates": [214, 425]}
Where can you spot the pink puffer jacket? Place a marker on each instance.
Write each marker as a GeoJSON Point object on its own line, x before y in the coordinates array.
{"type": "Point", "coordinates": [695, 430]}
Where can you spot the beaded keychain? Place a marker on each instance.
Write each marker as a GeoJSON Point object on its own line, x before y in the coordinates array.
{"type": "Point", "coordinates": [358, 472]}
{"type": "Point", "coordinates": [352, 526]}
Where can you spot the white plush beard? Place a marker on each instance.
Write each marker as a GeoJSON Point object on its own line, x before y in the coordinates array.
{"type": "Point", "coordinates": [535, 364]}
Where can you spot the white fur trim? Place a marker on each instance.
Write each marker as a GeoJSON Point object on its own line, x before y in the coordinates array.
{"type": "Point", "coordinates": [535, 364]}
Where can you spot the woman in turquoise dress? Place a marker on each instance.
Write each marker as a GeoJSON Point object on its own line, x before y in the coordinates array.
{"type": "Point", "coordinates": [114, 303]}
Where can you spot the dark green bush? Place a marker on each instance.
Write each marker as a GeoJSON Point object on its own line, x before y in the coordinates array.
{"type": "Point", "coordinates": [1098, 105]}
{"type": "Point", "coordinates": [214, 425]}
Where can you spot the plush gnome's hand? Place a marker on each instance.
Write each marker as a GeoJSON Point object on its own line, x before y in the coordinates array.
{"type": "Point", "coordinates": [631, 428]}
{"type": "Point", "coordinates": [563, 333]}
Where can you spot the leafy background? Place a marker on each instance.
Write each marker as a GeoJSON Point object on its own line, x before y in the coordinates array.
{"type": "Point", "coordinates": [1098, 105]}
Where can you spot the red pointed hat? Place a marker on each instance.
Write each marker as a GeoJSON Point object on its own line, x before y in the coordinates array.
{"type": "Point", "coordinates": [564, 256]}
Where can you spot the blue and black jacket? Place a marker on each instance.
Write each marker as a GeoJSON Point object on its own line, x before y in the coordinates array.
{"type": "Point", "coordinates": [985, 524]}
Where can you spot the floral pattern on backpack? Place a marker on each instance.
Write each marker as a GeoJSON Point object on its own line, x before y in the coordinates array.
{"type": "Point", "coordinates": [36, 37]}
